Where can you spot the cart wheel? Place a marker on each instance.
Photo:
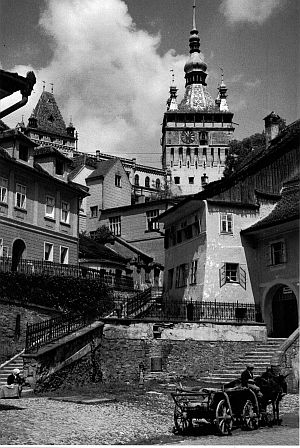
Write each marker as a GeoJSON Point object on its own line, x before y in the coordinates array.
{"type": "Point", "coordinates": [223, 418]}
{"type": "Point", "coordinates": [249, 416]}
{"type": "Point", "coordinates": [182, 423]}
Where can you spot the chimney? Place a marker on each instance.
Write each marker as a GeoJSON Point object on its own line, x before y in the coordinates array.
{"type": "Point", "coordinates": [272, 127]}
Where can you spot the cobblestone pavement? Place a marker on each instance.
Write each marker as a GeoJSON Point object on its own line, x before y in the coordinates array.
{"type": "Point", "coordinates": [139, 417]}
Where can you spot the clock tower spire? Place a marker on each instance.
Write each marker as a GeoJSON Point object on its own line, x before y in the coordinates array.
{"type": "Point", "coordinates": [196, 131]}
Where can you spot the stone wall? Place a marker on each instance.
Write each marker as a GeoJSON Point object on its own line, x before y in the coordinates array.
{"type": "Point", "coordinates": [159, 352]}
{"type": "Point", "coordinates": [13, 319]}
{"type": "Point", "coordinates": [288, 361]}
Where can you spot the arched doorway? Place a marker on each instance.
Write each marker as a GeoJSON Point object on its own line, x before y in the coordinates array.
{"type": "Point", "coordinates": [17, 251]}
{"type": "Point", "coordinates": [284, 312]}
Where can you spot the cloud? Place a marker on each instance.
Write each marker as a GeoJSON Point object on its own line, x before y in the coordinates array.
{"type": "Point", "coordinates": [253, 84]}
{"type": "Point", "coordinates": [107, 75]}
{"type": "Point", "coordinates": [252, 11]}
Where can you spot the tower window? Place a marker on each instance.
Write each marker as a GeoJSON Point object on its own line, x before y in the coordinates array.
{"type": "Point", "coordinates": [204, 152]}
{"type": "Point", "coordinates": [180, 151]}
{"type": "Point", "coordinates": [118, 180]}
{"type": "Point", "coordinates": [147, 181]}
{"type": "Point", "coordinates": [203, 138]}
{"type": "Point", "coordinates": [191, 180]}
{"type": "Point", "coordinates": [157, 183]}
{"type": "Point", "coordinates": [196, 152]}
{"type": "Point", "coordinates": [136, 180]}
{"type": "Point", "coordinates": [177, 180]}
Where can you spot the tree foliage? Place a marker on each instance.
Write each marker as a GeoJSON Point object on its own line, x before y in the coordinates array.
{"type": "Point", "coordinates": [102, 235]}
{"type": "Point", "coordinates": [239, 150]}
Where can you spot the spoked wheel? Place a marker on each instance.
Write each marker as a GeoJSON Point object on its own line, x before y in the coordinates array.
{"type": "Point", "coordinates": [249, 416]}
{"type": "Point", "coordinates": [182, 423]}
{"type": "Point", "coordinates": [223, 418]}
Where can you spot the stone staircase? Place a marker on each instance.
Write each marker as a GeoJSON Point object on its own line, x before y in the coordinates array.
{"type": "Point", "coordinates": [6, 369]}
{"type": "Point", "coordinates": [260, 358]}
{"type": "Point", "coordinates": [9, 366]}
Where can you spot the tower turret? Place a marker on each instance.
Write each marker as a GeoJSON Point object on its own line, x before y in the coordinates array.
{"type": "Point", "coordinates": [172, 100]}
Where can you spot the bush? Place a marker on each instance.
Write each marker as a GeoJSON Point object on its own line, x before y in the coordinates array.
{"type": "Point", "coordinates": [69, 294]}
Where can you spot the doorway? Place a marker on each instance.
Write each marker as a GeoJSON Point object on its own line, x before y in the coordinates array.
{"type": "Point", "coordinates": [17, 251]}
{"type": "Point", "coordinates": [284, 311]}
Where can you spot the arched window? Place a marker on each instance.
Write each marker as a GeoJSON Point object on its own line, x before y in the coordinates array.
{"type": "Point", "coordinates": [147, 181]}
{"type": "Point", "coordinates": [157, 183]}
{"type": "Point", "coordinates": [136, 180]}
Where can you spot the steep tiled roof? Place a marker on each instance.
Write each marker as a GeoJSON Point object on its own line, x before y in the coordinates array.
{"type": "Point", "coordinates": [3, 126]}
{"type": "Point", "coordinates": [102, 169]}
{"type": "Point", "coordinates": [287, 209]}
{"type": "Point", "coordinates": [90, 249]}
{"type": "Point", "coordinates": [48, 115]}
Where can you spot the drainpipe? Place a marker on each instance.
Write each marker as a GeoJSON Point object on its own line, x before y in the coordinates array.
{"type": "Point", "coordinates": [14, 107]}
{"type": "Point", "coordinates": [25, 91]}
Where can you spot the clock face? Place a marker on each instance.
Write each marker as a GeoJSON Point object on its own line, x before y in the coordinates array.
{"type": "Point", "coordinates": [188, 136]}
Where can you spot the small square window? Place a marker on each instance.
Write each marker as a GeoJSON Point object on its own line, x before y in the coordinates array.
{"type": "Point", "coordinates": [177, 180]}
{"type": "Point", "coordinates": [94, 211]}
{"type": "Point", "coordinates": [191, 180]}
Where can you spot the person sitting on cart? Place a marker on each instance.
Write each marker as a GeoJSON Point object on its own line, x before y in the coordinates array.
{"type": "Point", "coordinates": [248, 381]}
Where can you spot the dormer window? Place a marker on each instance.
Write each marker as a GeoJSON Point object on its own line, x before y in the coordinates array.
{"type": "Point", "coordinates": [59, 167]}
{"type": "Point", "coordinates": [51, 118]}
{"type": "Point", "coordinates": [23, 153]}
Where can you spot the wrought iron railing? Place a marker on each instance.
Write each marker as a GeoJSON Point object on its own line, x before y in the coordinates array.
{"type": "Point", "coordinates": [32, 267]}
{"type": "Point", "coordinates": [194, 311]}
{"type": "Point", "coordinates": [42, 333]}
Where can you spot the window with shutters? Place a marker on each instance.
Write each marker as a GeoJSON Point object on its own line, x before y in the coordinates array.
{"type": "Point", "coordinates": [232, 273]}
{"type": "Point", "coordinates": [277, 253]}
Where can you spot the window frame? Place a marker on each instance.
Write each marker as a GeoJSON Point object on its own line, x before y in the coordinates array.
{"type": "Point", "coordinates": [21, 196]}
{"type": "Point", "coordinates": [51, 245]}
{"type": "Point", "coordinates": [115, 225]}
{"type": "Point", "coordinates": [63, 211]}
{"type": "Point", "coordinates": [49, 215]}
{"type": "Point", "coordinates": [118, 180]}
{"type": "Point", "coordinates": [224, 230]}
{"type": "Point", "coordinates": [3, 190]}
{"type": "Point", "coordinates": [67, 254]}
{"type": "Point", "coordinates": [151, 225]}
{"type": "Point", "coordinates": [282, 252]}
{"type": "Point", "coordinates": [94, 211]}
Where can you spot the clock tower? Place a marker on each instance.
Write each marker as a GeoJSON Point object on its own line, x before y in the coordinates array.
{"type": "Point", "coordinates": [197, 131]}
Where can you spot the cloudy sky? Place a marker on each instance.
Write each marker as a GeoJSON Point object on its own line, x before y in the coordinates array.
{"type": "Point", "coordinates": [110, 61]}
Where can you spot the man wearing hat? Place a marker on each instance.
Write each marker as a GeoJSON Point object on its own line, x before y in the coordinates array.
{"type": "Point", "coordinates": [248, 381]}
{"type": "Point", "coordinates": [15, 379]}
